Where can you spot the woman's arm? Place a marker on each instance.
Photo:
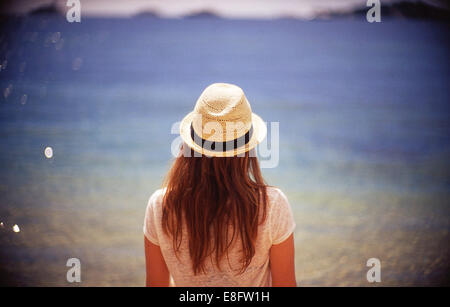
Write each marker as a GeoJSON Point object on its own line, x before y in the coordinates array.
{"type": "Point", "coordinates": [282, 263]}
{"type": "Point", "coordinates": [156, 268]}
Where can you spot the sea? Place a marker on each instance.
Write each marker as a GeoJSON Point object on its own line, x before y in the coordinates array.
{"type": "Point", "coordinates": [362, 130]}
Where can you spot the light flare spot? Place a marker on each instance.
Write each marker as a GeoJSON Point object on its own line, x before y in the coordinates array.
{"type": "Point", "coordinates": [16, 228]}
{"type": "Point", "coordinates": [23, 99]}
{"type": "Point", "coordinates": [7, 91]}
{"type": "Point", "coordinates": [48, 152]}
{"type": "Point", "coordinates": [55, 37]}
{"type": "Point", "coordinates": [4, 64]}
{"type": "Point", "coordinates": [76, 64]}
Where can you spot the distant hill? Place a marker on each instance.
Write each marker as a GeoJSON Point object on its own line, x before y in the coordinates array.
{"type": "Point", "coordinates": [403, 9]}
{"type": "Point", "coordinates": [147, 14]}
{"type": "Point", "coordinates": [202, 15]}
{"type": "Point", "coordinates": [49, 9]}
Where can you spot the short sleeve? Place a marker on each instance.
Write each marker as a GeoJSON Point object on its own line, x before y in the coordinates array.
{"type": "Point", "coordinates": [282, 222]}
{"type": "Point", "coordinates": [150, 219]}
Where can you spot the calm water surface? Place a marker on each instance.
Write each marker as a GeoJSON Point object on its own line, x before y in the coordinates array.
{"type": "Point", "coordinates": [363, 111]}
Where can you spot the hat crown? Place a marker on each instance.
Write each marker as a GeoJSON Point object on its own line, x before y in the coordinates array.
{"type": "Point", "coordinates": [222, 123]}
{"type": "Point", "coordinates": [224, 102]}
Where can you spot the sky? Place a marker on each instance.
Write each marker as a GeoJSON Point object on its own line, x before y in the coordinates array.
{"type": "Point", "coordinates": [227, 8]}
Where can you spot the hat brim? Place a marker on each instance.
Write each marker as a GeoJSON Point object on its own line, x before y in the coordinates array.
{"type": "Point", "coordinates": [259, 133]}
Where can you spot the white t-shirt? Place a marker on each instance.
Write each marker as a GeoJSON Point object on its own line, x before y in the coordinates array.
{"type": "Point", "coordinates": [277, 227]}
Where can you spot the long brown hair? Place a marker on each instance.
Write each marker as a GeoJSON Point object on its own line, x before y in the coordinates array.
{"type": "Point", "coordinates": [210, 194]}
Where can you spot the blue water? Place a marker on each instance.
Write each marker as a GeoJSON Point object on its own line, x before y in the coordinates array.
{"type": "Point", "coordinates": [364, 123]}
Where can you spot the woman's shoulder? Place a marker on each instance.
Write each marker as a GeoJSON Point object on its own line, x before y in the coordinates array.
{"type": "Point", "coordinates": [277, 201]}
{"type": "Point", "coordinates": [156, 198]}
{"type": "Point", "coordinates": [275, 194]}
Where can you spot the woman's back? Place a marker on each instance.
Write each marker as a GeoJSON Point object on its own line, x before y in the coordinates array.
{"type": "Point", "coordinates": [278, 225]}
{"type": "Point", "coordinates": [217, 223]}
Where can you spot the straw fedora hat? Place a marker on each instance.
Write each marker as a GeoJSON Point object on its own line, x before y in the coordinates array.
{"type": "Point", "coordinates": [222, 123]}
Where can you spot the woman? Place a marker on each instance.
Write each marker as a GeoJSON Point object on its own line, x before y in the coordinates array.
{"type": "Point", "coordinates": [216, 222]}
